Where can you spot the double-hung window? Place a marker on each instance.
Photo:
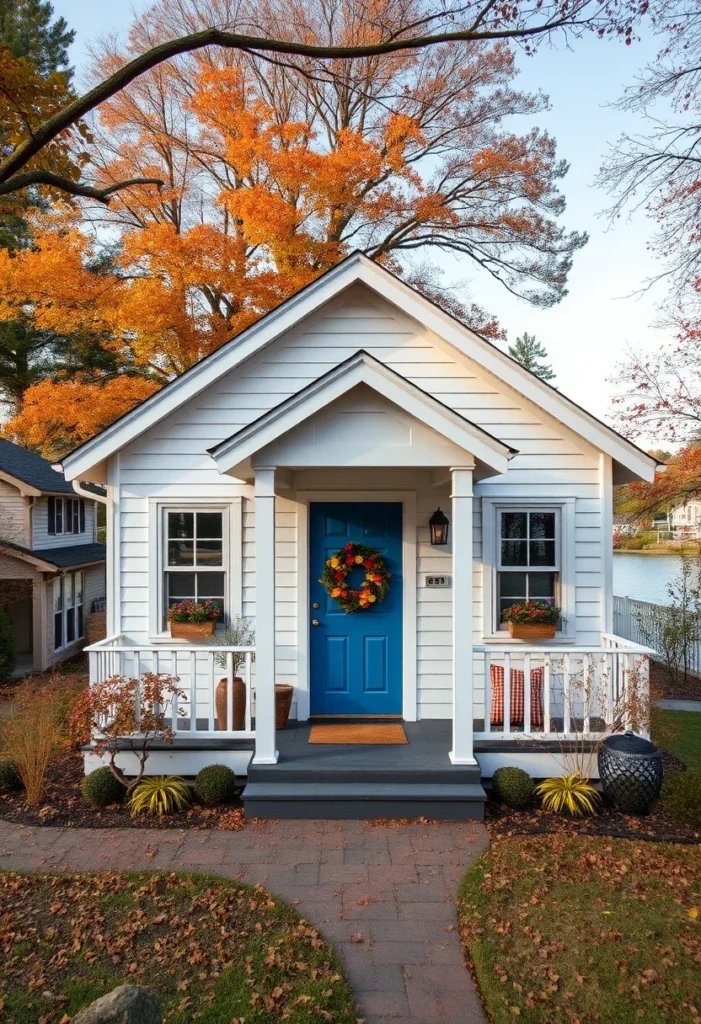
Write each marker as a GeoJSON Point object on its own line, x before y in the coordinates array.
{"type": "Point", "coordinates": [194, 556]}
{"type": "Point", "coordinates": [528, 557]}
{"type": "Point", "coordinates": [66, 515]}
{"type": "Point", "coordinates": [68, 609]}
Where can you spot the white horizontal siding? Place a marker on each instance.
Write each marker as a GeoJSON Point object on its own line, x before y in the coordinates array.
{"type": "Point", "coordinates": [170, 461]}
{"type": "Point", "coordinates": [14, 518]}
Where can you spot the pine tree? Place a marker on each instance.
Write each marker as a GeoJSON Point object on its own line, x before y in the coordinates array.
{"type": "Point", "coordinates": [27, 355]}
{"type": "Point", "coordinates": [529, 353]}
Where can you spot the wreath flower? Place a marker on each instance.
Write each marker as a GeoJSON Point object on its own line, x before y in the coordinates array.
{"type": "Point", "coordinates": [338, 568]}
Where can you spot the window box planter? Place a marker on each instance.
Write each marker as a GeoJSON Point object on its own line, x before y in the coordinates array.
{"type": "Point", "coordinates": [191, 630]}
{"type": "Point", "coordinates": [532, 630]}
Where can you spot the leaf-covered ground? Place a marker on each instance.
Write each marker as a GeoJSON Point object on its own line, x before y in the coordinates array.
{"type": "Point", "coordinates": [216, 951]}
{"type": "Point", "coordinates": [580, 929]}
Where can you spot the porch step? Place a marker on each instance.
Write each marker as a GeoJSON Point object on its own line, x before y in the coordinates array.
{"type": "Point", "coordinates": [445, 801]}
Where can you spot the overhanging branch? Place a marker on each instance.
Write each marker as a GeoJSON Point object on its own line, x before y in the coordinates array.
{"type": "Point", "coordinates": [74, 188]}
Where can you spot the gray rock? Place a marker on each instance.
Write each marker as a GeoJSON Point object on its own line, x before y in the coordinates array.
{"type": "Point", "coordinates": [127, 1004]}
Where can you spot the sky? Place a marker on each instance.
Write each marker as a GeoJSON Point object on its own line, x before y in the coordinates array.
{"type": "Point", "coordinates": [587, 333]}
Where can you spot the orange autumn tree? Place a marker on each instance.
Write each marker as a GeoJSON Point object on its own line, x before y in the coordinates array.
{"type": "Point", "coordinates": [273, 172]}
{"type": "Point", "coordinates": [57, 416]}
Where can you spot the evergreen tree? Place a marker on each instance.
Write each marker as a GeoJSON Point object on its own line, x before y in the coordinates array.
{"type": "Point", "coordinates": [27, 29]}
{"type": "Point", "coordinates": [28, 355]}
{"type": "Point", "coordinates": [529, 353]}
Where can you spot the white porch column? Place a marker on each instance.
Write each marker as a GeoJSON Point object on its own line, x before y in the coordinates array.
{"type": "Point", "coordinates": [461, 528]}
{"type": "Point", "coordinates": [264, 493]}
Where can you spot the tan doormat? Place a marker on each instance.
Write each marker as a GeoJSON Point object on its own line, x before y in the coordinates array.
{"type": "Point", "coordinates": [391, 733]}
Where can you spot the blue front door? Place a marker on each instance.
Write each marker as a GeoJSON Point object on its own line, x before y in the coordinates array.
{"type": "Point", "coordinates": [356, 658]}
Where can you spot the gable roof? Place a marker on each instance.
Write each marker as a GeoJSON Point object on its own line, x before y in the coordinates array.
{"type": "Point", "coordinates": [30, 469]}
{"type": "Point", "coordinates": [357, 268]}
{"type": "Point", "coordinates": [361, 368]}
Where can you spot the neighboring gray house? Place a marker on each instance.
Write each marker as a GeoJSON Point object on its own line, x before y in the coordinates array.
{"type": "Point", "coordinates": [52, 568]}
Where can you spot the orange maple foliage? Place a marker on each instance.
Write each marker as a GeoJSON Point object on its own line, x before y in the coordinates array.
{"type": "Point", "coordinates": [272, 176]}
{"type": "Point", "coordinates": [57, 416]}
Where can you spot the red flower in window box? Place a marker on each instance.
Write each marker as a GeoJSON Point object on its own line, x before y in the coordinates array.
{"type": "Point", "coordinates": [191, 619]}
{"type": "Point", "coordinates": [532, 620]}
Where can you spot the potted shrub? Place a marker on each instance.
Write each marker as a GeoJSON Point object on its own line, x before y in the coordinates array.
{"type": "Point", "coordinates": [239, 633]}
{"type": "Point", "coordinates": [532, 620]}
{"type": "Point", "coordinates": [191, 619]}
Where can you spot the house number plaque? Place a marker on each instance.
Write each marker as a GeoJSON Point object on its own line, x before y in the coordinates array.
{"type": "Point", "coordinates": [438, 581]}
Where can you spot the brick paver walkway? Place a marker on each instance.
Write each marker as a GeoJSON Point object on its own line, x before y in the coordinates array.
{"type": "Point", "coordinates": [383, 896]}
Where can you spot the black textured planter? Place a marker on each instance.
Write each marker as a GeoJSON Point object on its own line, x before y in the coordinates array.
{"type": "Point", "coordinates": [630, 769]}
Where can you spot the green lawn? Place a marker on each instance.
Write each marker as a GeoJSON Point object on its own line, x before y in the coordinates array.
{"type": "Point", "coordinates": [680, 733]}
{"type": "Point", "coordinates": [582, 929]}
{"type": "Point", "coordinates": [216, 951]}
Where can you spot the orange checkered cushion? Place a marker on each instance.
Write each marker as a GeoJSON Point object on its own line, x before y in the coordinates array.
{"type": "Point", "coordinates": [497, 713]}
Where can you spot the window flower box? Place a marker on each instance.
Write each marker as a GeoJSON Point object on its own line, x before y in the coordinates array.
{"type": "Point", "coordinates": [532, 620]}
{"type": "Point", "coordinates": [190, 620]}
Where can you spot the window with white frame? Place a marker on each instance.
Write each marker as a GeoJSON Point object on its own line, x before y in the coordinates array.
{"type": "Point", "coordinates": [68, 609]}
{"type": "Point", "coordinates": [66, 515]}
{"type": "Point", "coordinates": [528, 558]}
{"type": "Point", "coordinates": [194, 557]}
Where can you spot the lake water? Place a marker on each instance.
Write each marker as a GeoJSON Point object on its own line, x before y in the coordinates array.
{"type": "Point", "coordinates": [644, 577]}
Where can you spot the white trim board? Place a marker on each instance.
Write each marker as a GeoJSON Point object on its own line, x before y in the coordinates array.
{"type": "Point", "coordinates": [409, 596]}
{"type": "Point", "coordinates": [86, 460]}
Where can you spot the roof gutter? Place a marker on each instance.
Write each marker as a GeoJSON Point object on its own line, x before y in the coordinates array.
{"type": "Point", "coordinates": [90, 495]}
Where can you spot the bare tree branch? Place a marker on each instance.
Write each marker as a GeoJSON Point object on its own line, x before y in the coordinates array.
{"type": "Point", "coordinates": [78, 108]}
{"type": "Point", "coordinates": [73, 188]}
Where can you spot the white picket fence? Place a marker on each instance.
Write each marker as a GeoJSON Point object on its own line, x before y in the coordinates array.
{"type": "Point", "coordinates": [627, 616]}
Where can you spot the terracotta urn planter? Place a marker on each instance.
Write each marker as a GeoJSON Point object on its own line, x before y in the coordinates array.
{"type": "Point", "coordinates": [283, 704]}
{"type": "Point", "coordinates": [532, 630]}
{"type": "Point", "coordinates": [238, 717]}
{"type": "Point", "coordinates": [191, 630]}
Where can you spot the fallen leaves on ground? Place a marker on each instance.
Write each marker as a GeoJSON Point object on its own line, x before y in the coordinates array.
{"type": "Point", "coordinates": [214, 950]}
{"type": "Point", "coordinates": [581, 929]}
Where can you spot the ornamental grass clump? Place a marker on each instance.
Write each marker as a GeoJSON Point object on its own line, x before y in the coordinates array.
{"type": "Point", "coordinates": [159, 795]}
{"type": "Point", "coordinates": [513, 786]}
{"type": "Point", "coordinates": [215, 784]}
{"type": "Point", "coordinates": [569, 794]}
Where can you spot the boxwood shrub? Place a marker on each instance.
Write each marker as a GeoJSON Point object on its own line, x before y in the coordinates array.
{"type": "Point", "coordinates": [101, 788]}
{"type": "Point", "coordinates": [215, 784]}
{"type": "Point", "coordinates": [513, 787]}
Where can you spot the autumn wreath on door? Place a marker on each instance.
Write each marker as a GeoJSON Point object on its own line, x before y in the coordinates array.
{"type": "Point", "coordinates": [336, 577]}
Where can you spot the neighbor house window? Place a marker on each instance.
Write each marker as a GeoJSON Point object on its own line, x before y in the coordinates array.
{"type": "Point", "coordinates": [66, 515]}
{"type": "Point", "coordinates": [194, 557]}
{"type": "Point", "coordinates": [68, 609]}
{"type": "Point", "coordinates": [528, 559]}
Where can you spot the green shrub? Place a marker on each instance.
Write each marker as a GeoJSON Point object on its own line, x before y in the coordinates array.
{"type": "Point", "coordinates": [10, 778]}
{"type": "Point", "coordinates": [215, 784]}
{"type": "Point", "coordinates": [513, 787]}
{"type": "Point", "coordinates": [681, 797]}
{"type": "Point", "coordinates": [8, 645]}
{"type": "Point", "coordinates": [101, 788]}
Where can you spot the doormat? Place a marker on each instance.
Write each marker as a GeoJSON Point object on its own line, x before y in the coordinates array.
{"type": "Point", "coordinates": [392, 733]}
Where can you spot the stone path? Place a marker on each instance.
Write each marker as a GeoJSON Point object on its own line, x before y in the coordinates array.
{"type": "Point", "coordinates": [383, 896]}
{"type": "Point", "coordinates": [668, 704]}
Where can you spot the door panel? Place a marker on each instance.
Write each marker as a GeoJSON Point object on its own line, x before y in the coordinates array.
{"type": "Point", "coordinates": [356, 658]}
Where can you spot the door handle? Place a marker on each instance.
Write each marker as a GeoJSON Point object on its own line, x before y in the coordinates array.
{"type": "Point", "coordinates": [315, 622]}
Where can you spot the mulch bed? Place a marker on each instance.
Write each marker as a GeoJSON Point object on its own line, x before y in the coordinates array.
{"type": "Point", "coordinates": [63, 806]}
{"type": "Point", "coordinates": [663, 685]}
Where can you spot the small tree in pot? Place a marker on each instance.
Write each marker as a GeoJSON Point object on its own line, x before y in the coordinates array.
{"type": "Point", "coordinates": [239, 633]}
{"type": "Point", "coordinates": [192, 619]}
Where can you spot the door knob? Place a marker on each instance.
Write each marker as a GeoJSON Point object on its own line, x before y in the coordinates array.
{"type": "Point", "coordinates": [315, 622]}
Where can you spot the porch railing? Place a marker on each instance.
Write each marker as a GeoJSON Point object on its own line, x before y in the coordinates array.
{"type": "Point", "coordinates": [200, 670]}
{"type": "Point", "coordinates": [569, 692]}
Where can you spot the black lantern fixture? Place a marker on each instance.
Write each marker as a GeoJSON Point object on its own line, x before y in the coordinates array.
{"type": "Point", "coordinates": [439, 524]}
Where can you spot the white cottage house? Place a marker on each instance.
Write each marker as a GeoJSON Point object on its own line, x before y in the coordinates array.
{"type": "Point", "coordinates": [350, 414]}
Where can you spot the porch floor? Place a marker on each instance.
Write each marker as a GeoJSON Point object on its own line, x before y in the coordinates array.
{"type": "Point", "coordinates": [373, 781]}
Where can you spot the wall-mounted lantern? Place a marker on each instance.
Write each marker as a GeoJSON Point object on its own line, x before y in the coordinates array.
{"type": "Point", "coordinates": [439, 524]}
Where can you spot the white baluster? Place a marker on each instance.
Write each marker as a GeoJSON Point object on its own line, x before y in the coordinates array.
{"type": "Point", "coordinates": [527, 693]}
{"type": "Point", "coordinates": [229, 691]}
{"type": "Point", "coordinates": [249, 692]}
{"type": "Point", "coordinates": [193, 692]}
{"type": "Point", "coordinates": [487, 693]}
{"type": "Point", "coordinates": [212, 688]}
{"type": "Point", "coordinates": [567, 714]}
{"type": "Point", "coordinates": [507, 695]}
{"type": "Point", "coordinates": [546, 694]}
